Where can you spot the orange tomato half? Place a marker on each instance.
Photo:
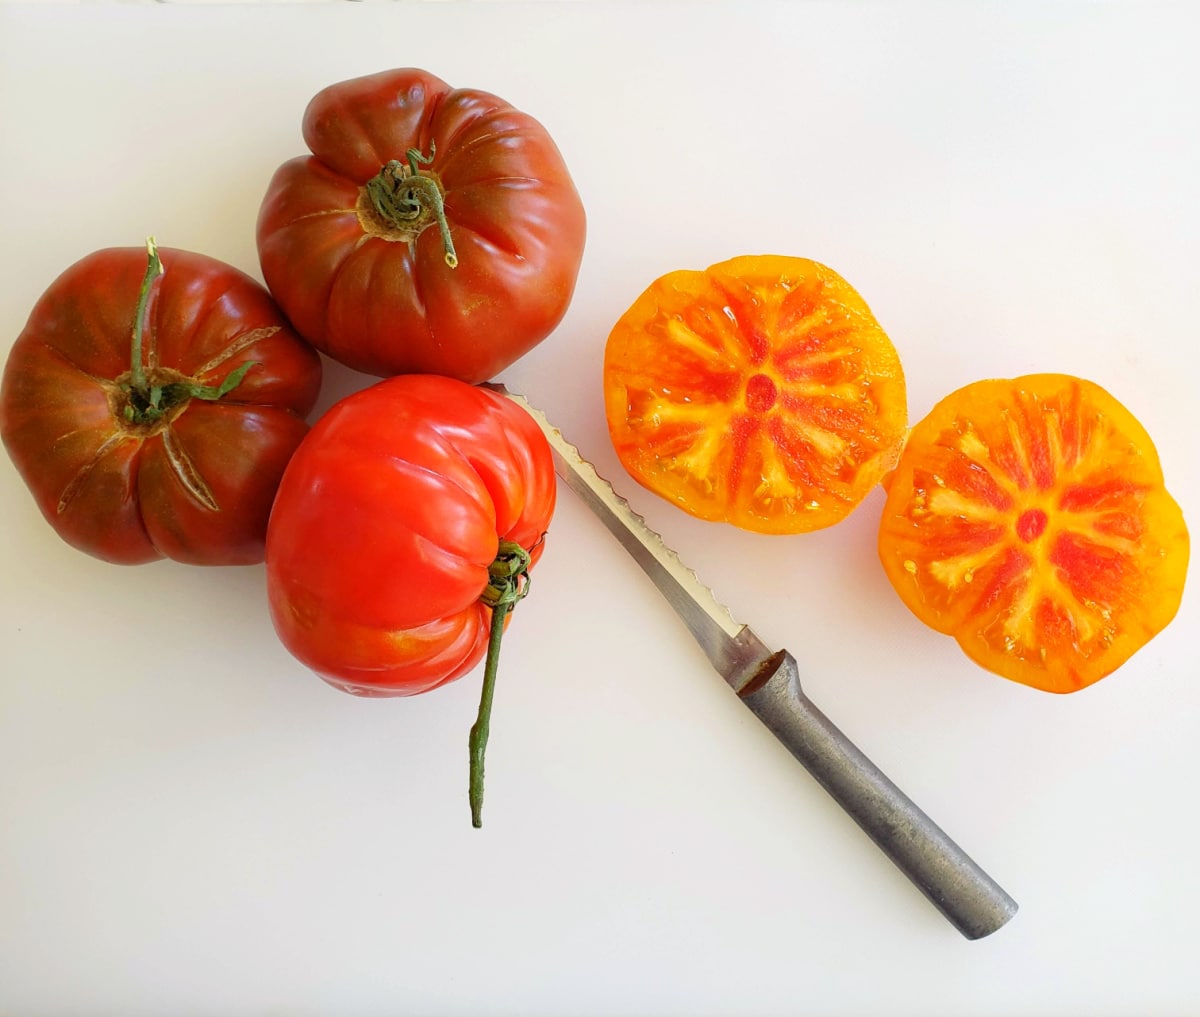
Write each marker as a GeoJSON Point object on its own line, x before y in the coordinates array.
{"type": "Point", "coordinates": [761, 392]}
{"type": "Point", "coordinates": [1028, 519]}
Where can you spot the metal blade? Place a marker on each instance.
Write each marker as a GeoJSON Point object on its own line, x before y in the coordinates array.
{"type": "Point", "coordinates": [735, 651]}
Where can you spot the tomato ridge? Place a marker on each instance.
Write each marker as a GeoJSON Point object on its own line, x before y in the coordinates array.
{"type": "Point", "coordinates": [465, 148]}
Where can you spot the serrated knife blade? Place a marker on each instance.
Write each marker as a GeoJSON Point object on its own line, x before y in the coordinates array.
{"type": "Point", "coordinates": [768, 683]}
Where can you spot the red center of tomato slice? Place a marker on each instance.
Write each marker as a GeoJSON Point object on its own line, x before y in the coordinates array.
{"type": "Point", "coordinates": [1031, 524]}
{"type": "Point", "coordinates": [761, 393]}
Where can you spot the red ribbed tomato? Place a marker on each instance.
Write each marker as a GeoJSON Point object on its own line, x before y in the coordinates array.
{"type": "Point", "coordinates": [387, 520]}
{"type": "Point", "coordinates": [151, 405]}
{"type": "Point", "coordinates": [402, 536]}
{"type": "Point", "coordinates": [433, 229]}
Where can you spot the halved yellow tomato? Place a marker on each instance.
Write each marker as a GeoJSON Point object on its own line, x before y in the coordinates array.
{"type": "Point", "coordinates": [1028, 519]}
{"type": "Point", "coordinates": [761, 392]}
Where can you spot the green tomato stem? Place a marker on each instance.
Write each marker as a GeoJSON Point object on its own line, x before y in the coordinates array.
{"type": "Point", "coordinates": [508, 582]}
{"type": "Point", "coordinates": [154, 270]}
{"type": "Point", "coordinates": [406, 198]}
{"type": "Point", "coordinates": [147, 399]}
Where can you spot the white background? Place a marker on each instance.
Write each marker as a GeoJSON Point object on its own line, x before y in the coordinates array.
{"type": "Point", "coordinates": [192, 824]}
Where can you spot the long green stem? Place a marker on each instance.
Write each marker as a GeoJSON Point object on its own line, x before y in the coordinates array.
{"type": "Point", "coordinates": [149, 398]}
{"type": "Point", "coordinates": [154, 269]}
{"type": "Point", "coordinates": [483, 723]}
{"type": "Point", "coordinates": [508, 582]}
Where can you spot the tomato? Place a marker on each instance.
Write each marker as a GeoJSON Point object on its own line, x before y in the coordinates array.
{"type": "Point", "coordinates": [386, 522]}
{"type": "Point", "coordinates": [761, 392]}
{"type": "Point", "coordinates": [169, 446]}
{"type": "Point", "coordinates": [433, 229]}
{"type": "Point", "coordinates": [403, 534]}
{"type": "Point", "coordinates": [1028, 519]}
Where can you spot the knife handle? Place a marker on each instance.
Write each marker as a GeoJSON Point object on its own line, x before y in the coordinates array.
{"type": "Point", "coordinates": [956, 886]}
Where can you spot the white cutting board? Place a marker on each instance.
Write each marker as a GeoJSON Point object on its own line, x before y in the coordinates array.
{"type": "Point", "coordinates": [191, 824]}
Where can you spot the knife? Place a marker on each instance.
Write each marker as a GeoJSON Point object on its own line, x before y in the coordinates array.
{"type": "Point", "coordinates": [768, 683]}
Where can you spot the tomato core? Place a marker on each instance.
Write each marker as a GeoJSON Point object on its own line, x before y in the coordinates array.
{"type": "Point", "coordinates": [1031, 524]}
{"type": "Point", "coordinates": [761, 393]}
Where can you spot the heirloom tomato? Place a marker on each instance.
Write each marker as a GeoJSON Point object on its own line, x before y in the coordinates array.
{"type": "Point", "coordinates": [761, 392]}
{"type": "Point", "coordinates": [402, 535]}
{"type": "Point", "coordinates": [1028, 519]}
{"type": "Point", "coordinates": [151, 404]}
{"type": "Point", "coordinates": [432, 230]}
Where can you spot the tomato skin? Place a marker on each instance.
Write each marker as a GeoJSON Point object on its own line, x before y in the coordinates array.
{"type": "Point", "coordinates": [1028, 519]}
{"type": "Point", "coordinates": [117, 491]}
{"type": "Point", "coordinates": [385, 303]}
{"type": "Point", "coordinates": [387, 519]}
{"type": "Point", "coordinates": [760, 392]}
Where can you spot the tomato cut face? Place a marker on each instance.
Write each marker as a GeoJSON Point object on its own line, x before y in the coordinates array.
{"type": "Point", "coordinates": [761, 392]}
{"type": "Point", "coordinates": [1028, 519]}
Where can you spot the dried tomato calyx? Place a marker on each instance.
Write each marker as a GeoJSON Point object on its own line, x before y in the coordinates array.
{"type": "Point", "coordinates": [164, 391]}
{"type": "Point", "coordinates": [508, 576]}
{"type": "Point", "coordinates": [146, 397]}
{"type": "Point", "coordinates": [407, 200]}
{"type": "Point", "coordinates": [508, 582]}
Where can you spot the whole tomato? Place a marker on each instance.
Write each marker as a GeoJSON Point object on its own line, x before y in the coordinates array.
{"type": "Point", "coordinates": [402, 536]}
{"type": "Point", "coordinates": [433, 229]}
{"type": "Point", "coordinates": [151, 404]}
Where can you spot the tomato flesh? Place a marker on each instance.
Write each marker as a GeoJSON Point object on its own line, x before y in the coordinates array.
{"type": "Point", "coordinates": [761, 392]}
{"type": "Point", "coordinates": [1028, 519]}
